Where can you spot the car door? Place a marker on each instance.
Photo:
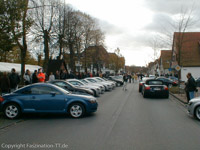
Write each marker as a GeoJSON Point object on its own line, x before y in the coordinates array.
{"type": "Point", "coordinates": [47, 99]}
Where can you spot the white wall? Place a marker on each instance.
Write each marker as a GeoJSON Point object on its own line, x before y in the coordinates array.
{"type": "Point", "coordinates": [195, 71]}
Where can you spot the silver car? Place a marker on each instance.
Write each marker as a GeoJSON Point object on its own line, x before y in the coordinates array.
{"type": "Point", "coordinates": [79, 83]}
{"type": "Point", "coordinates": [194, 107]}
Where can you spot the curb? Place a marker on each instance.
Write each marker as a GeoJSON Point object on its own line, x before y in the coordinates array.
{"type": "Point", "coordinates": [6, 122]}
{"type": "Point", "coordinates": [10, 124]}
{"type": "Point", "coordinates": [177, 98]}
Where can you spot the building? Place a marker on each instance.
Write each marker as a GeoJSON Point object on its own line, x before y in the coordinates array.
{"type": "Point", "coordinates": [186, 53]}
{"type": "Point", "coordinates": [165, 61]}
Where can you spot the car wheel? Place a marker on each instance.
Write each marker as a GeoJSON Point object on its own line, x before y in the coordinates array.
{"type": "Point", "coordinates": [166, 96]}
{"type": "Point", "coordinates": [144, 95]}
{"type": "Point", "coordinates": [76, 110]}
{"type": "Point", "coordinates": [12, 111]}
{"type": "Point", "coordinates": [197, 112]}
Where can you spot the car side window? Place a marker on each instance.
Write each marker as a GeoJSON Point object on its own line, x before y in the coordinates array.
{"type": "Point", "coordinates": [26, 91]}
{"type": "Point", "coordinates": [43, 90]}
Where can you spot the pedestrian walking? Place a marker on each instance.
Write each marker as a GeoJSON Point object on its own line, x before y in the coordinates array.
{"type": "Point", "coordinates": [14, 80]}
{"type": "Point", "coordinates": [5, 84]}
{"type": "Point", "coordinates": [27, 77]}
{"type": "Point", "coordinates": [125, 80]}
{"type": "Point", "coordinates": [190, 87]}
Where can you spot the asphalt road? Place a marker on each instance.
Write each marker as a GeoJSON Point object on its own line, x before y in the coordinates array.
{"type": "Point", "coordinates": [124, 121]}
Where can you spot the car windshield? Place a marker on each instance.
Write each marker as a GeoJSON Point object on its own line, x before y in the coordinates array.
{"type": "Point", "coordinates": [99, 79]}
{"type": "Point", "coordinates": [84, 81]}
{"type": "Point", "coordinates": [92, 80]}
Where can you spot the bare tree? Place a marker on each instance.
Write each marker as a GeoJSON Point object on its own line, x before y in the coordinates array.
{"type": "Point", "coordinates": [44, 18]}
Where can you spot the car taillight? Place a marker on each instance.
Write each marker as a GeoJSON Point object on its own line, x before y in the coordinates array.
{"type": "Point", "coordinates": [166, 88]}
{"type": "Point", "coordinates": [1, 99]}
{"type": "Point", "coordinates": [174, 82]}
{"type": "Point", "coordinates": [141, 84]}
{"type": "Point", "coordinates": [147, 88]}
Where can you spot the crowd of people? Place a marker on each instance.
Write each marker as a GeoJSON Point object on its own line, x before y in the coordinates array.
{"type": "Point", "coordinates": [10, 81]}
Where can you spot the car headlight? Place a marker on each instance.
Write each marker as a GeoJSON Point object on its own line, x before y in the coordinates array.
{"type": "Point", "coordinates": [93, 100]}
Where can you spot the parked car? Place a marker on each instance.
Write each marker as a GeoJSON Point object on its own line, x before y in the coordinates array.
{"type": "Point", "coordinates": [198, 82]}
{"type": "Point", "coordinates": [118, 81]}
{"type": "Point", "coordinates": [168, 82]}
{"type": "Point", "coordinates": [112, 84]}
{"type": "Point", "coordinates": [107, 86]}
{"type": "Point", "coordinates": [103, 89]}
{"type": "Point", "coordinates": [141, 83]}
{"type": "Point", "coordinates": [194, 107]}
{"type": "Point", "coordinates": [70, 87]}
{"type": "Point", "coordinates": [95, 89]}
{"type": "Point", "coordinates": [155, 88]}
{"type": "Point", "coordinates": [46, 98]}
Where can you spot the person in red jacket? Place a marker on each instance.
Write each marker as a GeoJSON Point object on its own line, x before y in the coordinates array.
{"type": "Point", "coordinates": [41, 76]}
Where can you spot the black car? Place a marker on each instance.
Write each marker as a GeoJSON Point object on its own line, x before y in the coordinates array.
{"type": "Point", "coordinates": [155, 88]}
{"type": "Point", "coordinates": [74, 89]}
{"type": "Point", "coordinates": [141, 83]}
{"type": "Point", "coordinates": [168, 82]}
{"type": "Point", "coordinates": [117, 80]}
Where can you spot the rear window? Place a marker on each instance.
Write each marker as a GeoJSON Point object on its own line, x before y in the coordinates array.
{"type": "Point", "coordinates": [154, 82]}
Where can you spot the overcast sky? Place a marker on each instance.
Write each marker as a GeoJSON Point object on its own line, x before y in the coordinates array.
{"type": "Point", "coordinates": [130, 25]}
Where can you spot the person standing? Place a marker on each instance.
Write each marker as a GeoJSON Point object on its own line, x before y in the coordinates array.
{"type": "Point", "coordinates": [34, 77]}
{"type": "Point", "coordinates": [125, 79]}
{"type": "Point", "coordinates": [190, 87]}
{"type": "Point", "coordinates": [51, 77]}
{"type": "Point", "coordinates": [14, 80]}
{"type": "Point", "coordinates": [5, 84]}
{"type": "Point", "coordinates": [27, 77]}
{"type": "Point", "coordinates": [57, 75]}
{"type": "Point", "coordinates": [41, 76]}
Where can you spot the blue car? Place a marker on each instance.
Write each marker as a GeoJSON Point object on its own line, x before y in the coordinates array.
{"type": "Point", "coordinates": [46, 98]}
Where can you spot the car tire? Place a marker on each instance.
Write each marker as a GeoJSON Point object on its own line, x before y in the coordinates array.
{"type": "Point", "coordinates": [12, 111]}
{"type": "Point", "coordinates": [144, 95]}
{"type": "Point", "coordinates": [197, 112]}
{"type": "Point", "coordinates": [77, 110]}
{"type": "Point", "coordinates": [166, 96]}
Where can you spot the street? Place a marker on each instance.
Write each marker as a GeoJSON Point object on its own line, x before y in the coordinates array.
{"type": "Point", "coordinates": [124, 121]}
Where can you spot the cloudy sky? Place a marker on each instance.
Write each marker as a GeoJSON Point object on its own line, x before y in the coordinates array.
{"type": "Point", "coordinates": [131, 25]}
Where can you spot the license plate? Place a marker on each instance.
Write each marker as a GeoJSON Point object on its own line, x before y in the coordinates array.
{"type": "Point", "coordinates": [157, 89]}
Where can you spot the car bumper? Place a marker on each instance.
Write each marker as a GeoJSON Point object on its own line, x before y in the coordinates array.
{"type": "Point", "coordinates": [92, 108]}
{"type": "Point", "coordinates": [151, 93]}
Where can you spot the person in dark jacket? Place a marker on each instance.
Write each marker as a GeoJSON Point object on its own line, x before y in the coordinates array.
{"type": "Point", "coordinates": [190, 87]}
{"type": "Point", "coordinates": [57, 75]}
{"type": "Point", "coordinates": [14, 80]}
{"type": "Point", "coordinates": [5, 83]}
{"type": "Point", "coordinates": [34, 77]}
